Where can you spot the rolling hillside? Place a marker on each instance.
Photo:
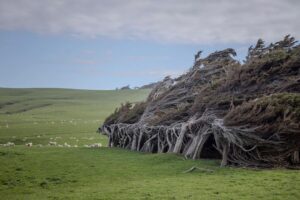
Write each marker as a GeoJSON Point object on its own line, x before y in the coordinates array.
{"type": "Point", "coordinates": [36, 115]}
{"type": "Point", "coordinates": [72, 116]}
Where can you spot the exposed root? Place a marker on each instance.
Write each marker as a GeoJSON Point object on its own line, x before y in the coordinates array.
{"type": "Point", "coordinates": [237, 145]}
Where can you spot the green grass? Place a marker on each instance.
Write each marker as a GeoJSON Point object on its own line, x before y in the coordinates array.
{"type": "Point", "coordinates": [108, 173]}
{"type": "Point", "coordinates": [37, 115]}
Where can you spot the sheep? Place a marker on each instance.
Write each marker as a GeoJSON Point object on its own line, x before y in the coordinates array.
{"type": "Point", "coordinates": [29, 144]}
{"type": "Point", "coordinates": [67, 145]}
{"type": "Point", "coordinates": [75, 146]}
{"type": "Point", "coordinates": [9, 144]}
{"type": "Point", "coordinates": [51, 143]}
{"type": "Point", "coordinates": [96, 145]}
{"type": "Point", "coordinates": [40, 145]}
{"type": "Point", "coordinates": [60, 145]}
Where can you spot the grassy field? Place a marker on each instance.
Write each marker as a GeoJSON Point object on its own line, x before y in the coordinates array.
{"type": "Point", "coordinates": [73, 116]}
{"type": "Point", "coordinates": [61, 115]}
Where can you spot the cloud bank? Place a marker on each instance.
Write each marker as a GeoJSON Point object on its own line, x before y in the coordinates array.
{"type": "Point", "coordinates": [175, 21]}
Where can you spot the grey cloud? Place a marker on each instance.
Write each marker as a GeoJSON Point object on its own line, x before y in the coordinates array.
{"type": "Point", "coordinates": [179, 21]}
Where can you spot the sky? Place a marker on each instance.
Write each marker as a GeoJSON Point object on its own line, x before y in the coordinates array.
{"type": "Point", "coordinates": [105, 44]}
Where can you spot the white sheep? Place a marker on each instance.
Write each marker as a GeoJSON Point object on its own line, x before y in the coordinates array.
{"type": "Point", "coordinates": [96, 145]}
{"type": "Point", "coordinates": [51, 143]}
{"type": "Point", "coordinates": [29, 144]}
{"type": "Point", "coordinates": [9, 144]}
{"type": "Point", "coordinates": [67, 145]}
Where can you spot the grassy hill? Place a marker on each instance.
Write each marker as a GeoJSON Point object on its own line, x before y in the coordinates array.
{"type": "Point", "coordinates": [37, 115]}
{"type": "Point", "coordinates": [73, 116]}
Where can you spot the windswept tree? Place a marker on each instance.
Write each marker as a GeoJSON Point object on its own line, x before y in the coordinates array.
{"type": "Point", "coordinates": [244, 114]}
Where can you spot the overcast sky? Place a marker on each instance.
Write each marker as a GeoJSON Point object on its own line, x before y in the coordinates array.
{"type": "Point", "coordinates": [103, 44]}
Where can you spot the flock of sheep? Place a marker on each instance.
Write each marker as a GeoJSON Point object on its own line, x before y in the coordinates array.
{"type": "Point", "coordinates": [52, 143]}
{"type": "Point", "coordinates": [72, 121]}
{"type": "Point", "coordinates": [8, 144]}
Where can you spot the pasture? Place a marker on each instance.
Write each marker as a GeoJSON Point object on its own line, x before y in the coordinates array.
{"type": "Point", "coordinates": [63, 116]}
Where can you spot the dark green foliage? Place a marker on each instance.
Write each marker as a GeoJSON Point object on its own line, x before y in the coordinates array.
{"type": "Point", "coordinates": [274, 113]}
{"type": "Point", "coordinates": [222, 81]}
{"type": "Point", "coordinates": [258, 101]}
{"type": "Point", "coordinates": [126, 113]}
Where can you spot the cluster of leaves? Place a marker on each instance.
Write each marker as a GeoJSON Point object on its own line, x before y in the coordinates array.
{"type": "Point", "coordinates": [221, 84]}
{"type": "Point", "coordinates": [273, 113]}
{"type": "Point", "coordinates": [260, 49]}
{"type": "Point", "coordinates": [126, 113]}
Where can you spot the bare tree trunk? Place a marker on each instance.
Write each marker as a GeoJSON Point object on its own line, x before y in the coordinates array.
{"type": "Point", "coordinates": [179, 140]}
{"type": "Point", "coordinates": [200, 145]}
{"type": "Point", "coordinates": [110, 142]}
{"type": "Point", "coordinates": [139, 146]}
{"type": "Point", "coordinates": [133, 144]}
{"type": "Point", "coordinates": [224, 155]}
{"type": "Point", "coordinates": [170, 144]}
{"type": "Point", "coordinates": [295, 157]}
{"type": "Point", "coordinates": [190, 147]}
